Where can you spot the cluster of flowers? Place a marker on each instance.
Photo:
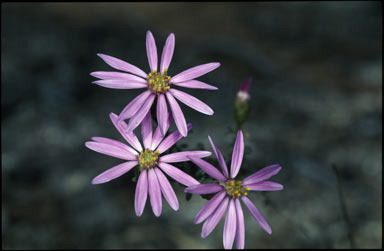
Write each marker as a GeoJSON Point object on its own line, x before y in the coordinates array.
{"type": "Point", "coordinates": [149, 156]}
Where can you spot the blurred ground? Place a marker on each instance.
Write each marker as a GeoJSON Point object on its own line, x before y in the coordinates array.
{"type": "Point", "coordinates": [316, 102]}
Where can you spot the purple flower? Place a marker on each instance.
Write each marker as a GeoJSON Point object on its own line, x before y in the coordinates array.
{"type": "Point", "coordinates": [158, 84]}
{"type": "Point", "coordinates": [149, 161]}
{"type": "Point", "coordinates": [229, 192]}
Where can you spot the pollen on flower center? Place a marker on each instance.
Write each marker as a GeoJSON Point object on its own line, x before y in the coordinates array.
{"type": "Point", "coordinates": [235, 188]}
{"type": "Point", "coordinates": [158, 82]}
{"type": "Point", "coordinates": [148, 159]}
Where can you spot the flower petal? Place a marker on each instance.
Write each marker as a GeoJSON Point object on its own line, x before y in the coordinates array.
{"type": "Point", "coordinates": [265, 186]}
{"type": "Point", "coordinates": [139, 116]}
{"type": "Point", "coordinates": [262, 174]}
{"type": "Point", "coordinates": [114, 75]}
{"type": "Point", "coordinates": [208, 168]}
{"type": "Point", "coordinates": [178, 115]}
{"type": "Point", "coordinates": [246, 85]}
{"type": "Point", "coordinates": [220, 158]}
{"type": "Point", "coordinates": [170, 140]}
{"type": "Point", "coordinates": [110, 150]}
{"type": "Point", "coordinates": [196, 84]}
{"type": "Point", "coordinates": [183, 156]}
{"type": "Point", "coordinates": [120, 84]}
{"type": "Point", "coordinates": [256, 214]}
{"type": "Point", "coordinates": [141, 192]}
{"type": "Point", "coordinates": [134, 106]}
{"type": "Point", "coordinates": [167, 190]}
{"type": "Point", "coordinates": [214, 218]}
{"type": "Point", "coordinates": [162, 113]}
{"type": "Point", "coordinates": [114, 172]}
{"type": "Point", "coordinates": [177, 174]}
{"type": "Point", "coordinates": [154, 192]}
{"type": "Point", "coordinates": [122, 65]}
{"type": "Point", "coordinates": [168, 49]}
{"type": "Point", "coordinates": [237, 154]}
{"type": "Point", "coordinates": [240, 230]}
{"type": "Point", "coordinates": [122, 128]}
{"type": "Point", "coordinates": [204, 188]}
{"type": "Point", "coordinates": [209, 207]}
{"type": "Point", "coordinates": [194, 72]}
{"type": "Point", "coordinates": [146, 130]}
{"type": "Point", "coordinates": [158, 136]}
{"type": "Point", "coordinates": [151, 51]}
{"type": "Point", "coordinates": [114, 143]}
{"type": "Point", "coordinates": [191, 101]}
{"type": "Point", "coordinates": [230, 225]}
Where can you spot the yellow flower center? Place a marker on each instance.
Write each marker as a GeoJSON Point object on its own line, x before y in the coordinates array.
{"type": "Point", "coordinates": [235, 188]}
{"type": "Point", "coordinates": [148, 159]}
{"type": "Point", "coordinates": [158, 82]}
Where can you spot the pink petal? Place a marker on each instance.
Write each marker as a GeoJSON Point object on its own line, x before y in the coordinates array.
{"type": "Point", "coordinates": [134, 106]}
{"type": "Point", "coordinates": [110, 150]}
{"type": "Point", "coordinates": [237, 154]}
{"type": "Point", "coordinates": [162, 113]}
{"type": "Point", "coordinates": [170, 140]}
{"type": "Point", "coordinates": [114, 172]}
{"type": "Point", "coordinates": [240, 231]}
{"type": "Point", "coordinates": [214, 218]}
{"type": "Point", "coordinates": [122, 65]}
{"type": "Point", "coordinates": [262, 174]}
{"type": "Point", "coordinates": [146, 130]}
{"type": "Point", "coordinates": [208, 168]}
{"type": "Point", "coordinates": [265, 186]}
{"type": "Point", "coordinates": [151, 51]}
{"type": "Point", "coordinates": [191, 101]}
{"type": "Point", "coordinates": [167, 190]}
{"type": "Point", "coordinates": [120, 84]}
{"type": "Point", "coordinates": [204, 188]}
{"type": "Point", "coordinates": [154, 192]}
{"type": "Point", "coordinates": [158, 136]}
{"type": "Point", "coordinates": [183, 156]}
{"type": "Point", "coordinates": [139, 116]}
{"type": "Point", "coordinates": [219, 157]}
{"type": "Point", "coordinates": [230, 225]}
{"type": "Point", "coordinates": [168, 49]}
{"type": "Point", "coordinates": [209, 207]}
{"type": "Point", "coordinates": [256, 214]}
{"type": "Point", "coordinates": [246, 85]}
{"type": "Point", "coordinates": [196, 84]}
{"type": "Point", "coordinates": [178, 115]}
{"type": "Point", "coordinates": [122, 128]}
{"type": "Point", "coordinates": [194, 72]}
{"type": "Point", "coordinates": [177, 174]}
{"type": "Point", "coordinates": [141, 192]}
{"type": "Point", "coordinates": [114, 75]}
{"type": "Point", "coordinates": [114, 143]}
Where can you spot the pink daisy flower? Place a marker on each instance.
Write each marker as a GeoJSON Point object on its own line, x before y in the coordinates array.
{"type": "Point", "coordinates": [229, 194]}
{"type": "Point", "coordinates": [158, 84]}
{"type": "Point", "coordinates": [149, 161]}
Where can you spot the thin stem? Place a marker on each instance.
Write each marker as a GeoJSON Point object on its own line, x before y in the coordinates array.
{"type": "Point", "coordinates": [344, 208]}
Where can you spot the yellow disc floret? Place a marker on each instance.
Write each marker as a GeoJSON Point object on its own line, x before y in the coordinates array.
{"type": "Point", "coordinates": [234, 188]}
{"type": "Point", "coordinates": [158, 82]}
{"type": "Point", "coordinates": [148, 159]}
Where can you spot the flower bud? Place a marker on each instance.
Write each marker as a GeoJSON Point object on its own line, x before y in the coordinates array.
{"type": "Point", "coordinates": [242, 107]}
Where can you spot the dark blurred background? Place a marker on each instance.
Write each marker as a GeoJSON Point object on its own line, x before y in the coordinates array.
{"type": "Point", "coordinates": [316, 105]}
